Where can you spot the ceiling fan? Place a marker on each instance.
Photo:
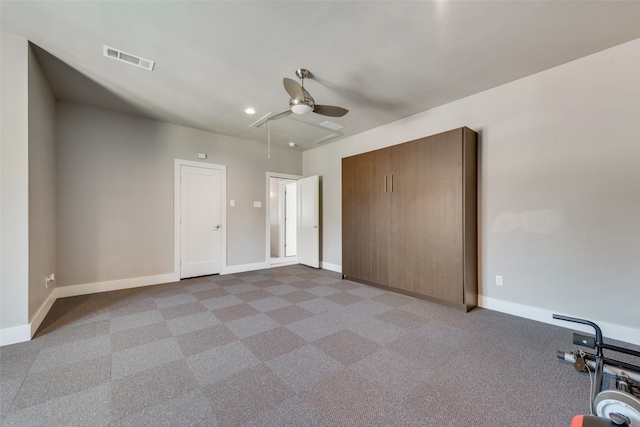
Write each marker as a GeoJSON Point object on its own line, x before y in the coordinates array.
{"type": "Point", "coordinates": [302, 102]}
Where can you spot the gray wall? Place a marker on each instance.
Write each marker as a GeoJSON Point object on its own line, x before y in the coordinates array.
{"type": "Point", "coordinates": [115, 192]}
{"type": "Point", "coordinates": [27, 183]}
{"type": "Point", "coordinates": [14, 182]}
{"type": "Point", "coordinates": [559, 186]}
{"type": "Point", "coordinates": [42, 186]}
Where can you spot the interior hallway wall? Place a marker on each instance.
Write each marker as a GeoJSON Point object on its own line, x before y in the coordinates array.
{"type": "Point", "coordinates": [559, 192]}
{"type": "Point", "coordinates": [42, 186]}
{"type": "Point", "coordinates": [14, 184]}
{"type": "Point", "coordinates": [115, 192]}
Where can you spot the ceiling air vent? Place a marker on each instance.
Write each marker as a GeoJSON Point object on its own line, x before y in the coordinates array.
{"type": "Point", "coordinates": [331, 125]}
{"type": "Point", "coordinates": [127, 57]}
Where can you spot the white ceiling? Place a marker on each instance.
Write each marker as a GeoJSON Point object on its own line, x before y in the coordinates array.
{"type": "Point", "coordinates": [382, 60]}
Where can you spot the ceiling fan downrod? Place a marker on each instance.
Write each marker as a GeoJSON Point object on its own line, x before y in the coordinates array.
{"type": "Point", "coordinates": [302, 74]}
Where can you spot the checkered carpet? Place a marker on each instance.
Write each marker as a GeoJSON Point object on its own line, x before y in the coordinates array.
{"type": "Point", "coordinates": [289, 346]}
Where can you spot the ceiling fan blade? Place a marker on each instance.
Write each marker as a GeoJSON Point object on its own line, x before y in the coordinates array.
{"type": "Point", "coordinates": [293, 89]}
{"type": "Point", "coordinates": [280, 115]}
{"type": "Point", "coordinates": [330, 110]}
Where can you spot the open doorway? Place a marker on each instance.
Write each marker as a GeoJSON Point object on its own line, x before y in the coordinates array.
{"type": "Point", "coordinates": [306, 205]}
{"type": "Point", "coordinates": [283, 220]}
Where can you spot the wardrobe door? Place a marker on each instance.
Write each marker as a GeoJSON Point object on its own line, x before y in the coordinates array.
{"type": "Point", "coordinates": [365, 217]}
{"type": "Point", "coordinates": [426, 250]}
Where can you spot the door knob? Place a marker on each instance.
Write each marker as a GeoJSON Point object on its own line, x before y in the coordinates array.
{"type": "Point", "coordinates": [217, 227]}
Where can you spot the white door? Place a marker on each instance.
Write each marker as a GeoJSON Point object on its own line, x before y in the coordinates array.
{"type": "Point", "coordinates": [200, 225]}
{"type": "Point", "coordinates": [290, 219]}
{"type": "Point", "coordinates": [309, 221]}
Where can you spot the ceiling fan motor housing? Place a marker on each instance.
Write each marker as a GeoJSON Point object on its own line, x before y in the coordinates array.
{"type": "Point", "coordinates": [302, 107]}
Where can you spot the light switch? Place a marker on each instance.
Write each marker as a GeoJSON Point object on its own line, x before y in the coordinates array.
{"type": "Point", "coordinates": [257, 204]}
{"type": "Point", "coordinates": [202, 155]}
{"type": "Point", "coordinates": [232, 202]}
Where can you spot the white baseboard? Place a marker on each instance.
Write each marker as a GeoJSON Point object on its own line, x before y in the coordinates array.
{"type": "Point", "coordinates": [42, 312]}
{"type": "Point", "coordinates": [282, 264]}
{"type": "Point", "coordinates": [331, 267]}
{"type": "Point", "coordinates": [609, 330]}
{"type": "Point", "coordinates": [15, 335]}
{"type": "Point", "coordinates": [241, 268]}
{"type": "Point", "coordinates": [114, 285]}
{"type": "Point", "coordinates": [24, 333]}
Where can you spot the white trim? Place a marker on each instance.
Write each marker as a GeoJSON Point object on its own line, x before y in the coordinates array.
{"type": "Point", "coordinates": [241, 268]}
{"type": "Point", "coordinates": [331, 267]}
{"type": "Point", "coordinates": [115, 285]}
{"type": "Point", "coordinates": [15, 335]}
{"type": "Point", "coordinates": [267, 252]}
{"type": "Point", "coordinates": [177, 163]}
{"type": "Point", "coordinates": [293, 261]}
{"type": "Point", "coordinates": [281, 219]}
{"type": "Point", "coordinates": [43, 311]}
{"type": "Point", "coordinates": [24, 333]}
{"type": "Point", "coordinates": [609, 330]}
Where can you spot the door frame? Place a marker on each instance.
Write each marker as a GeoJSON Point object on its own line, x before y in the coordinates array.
{"type": "Point", "coordinates": [285, 203]}
{"type": "Point", "coordinates": [267, 252]}
{"type": "Point", "coordinates": [177, 164]}
{"type": "Point", "coordinates": [282, 216]}
{"type": "Point", "coordinates": [282, 247]}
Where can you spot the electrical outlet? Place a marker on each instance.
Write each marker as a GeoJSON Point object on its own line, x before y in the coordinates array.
{"type": "Point", "coordinates": [50, 278]}
{"type": "Point", "coordinates": [499, 280]}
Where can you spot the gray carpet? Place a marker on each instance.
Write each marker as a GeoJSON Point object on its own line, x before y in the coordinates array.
{"type": "Point", "coordinates": [290, 346]}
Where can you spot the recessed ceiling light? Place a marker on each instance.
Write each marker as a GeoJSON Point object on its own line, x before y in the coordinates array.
{"type": "Point", "coordinates": [250, 110]}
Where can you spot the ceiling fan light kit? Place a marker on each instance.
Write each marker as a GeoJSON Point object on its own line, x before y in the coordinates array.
{"type": "Point", "coordinates": [299, 108]}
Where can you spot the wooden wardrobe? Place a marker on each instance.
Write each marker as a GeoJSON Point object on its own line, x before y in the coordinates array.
{"type": "Point", "coordinates": [409, 218]}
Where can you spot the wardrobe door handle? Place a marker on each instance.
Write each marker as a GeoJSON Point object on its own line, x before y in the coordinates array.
{"type": "Point", "coordinates": [391, 191]}
{"type": "Point", "coordinates": [385, 184]}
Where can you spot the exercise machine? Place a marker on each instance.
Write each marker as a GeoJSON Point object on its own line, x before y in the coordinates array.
{"type": "Point", "coordinates": [609, 407]}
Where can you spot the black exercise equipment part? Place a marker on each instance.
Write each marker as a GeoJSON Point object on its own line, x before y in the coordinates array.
{"type": "Point", "coordinates": [611, 407]}
{"type": "Point", "coordinates": [590, 421]}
